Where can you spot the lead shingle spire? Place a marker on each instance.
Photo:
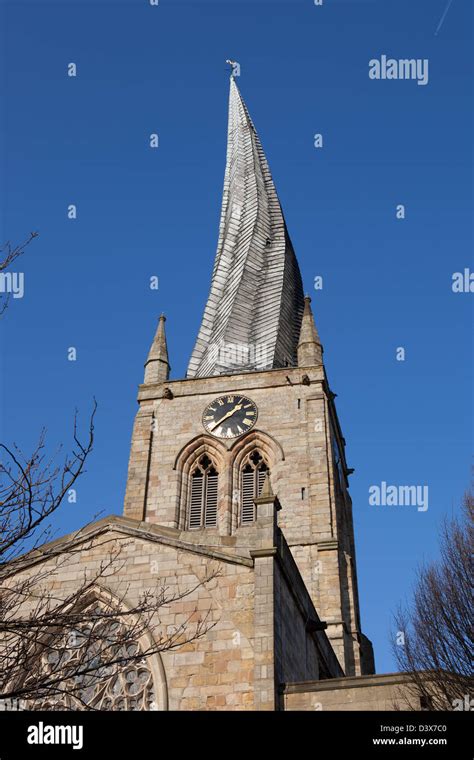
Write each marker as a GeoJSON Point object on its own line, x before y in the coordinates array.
{"type": "Point", "coordinates": [253, 313]}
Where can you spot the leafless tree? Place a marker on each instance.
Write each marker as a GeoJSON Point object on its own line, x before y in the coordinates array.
{"type": "Point", "coordinates": [433, 642]}
{"type": "Point", "coordinates": [68, 651]}
{"type": "Point", "coordinates": [60, 650]}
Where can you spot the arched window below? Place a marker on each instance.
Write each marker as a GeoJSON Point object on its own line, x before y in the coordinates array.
{"type": "Point", "coordinates": [253, 474]}
{"type": "Point", "coordinates": [125, 681]}
{"type": "Point", "coordinates": [203, 495]}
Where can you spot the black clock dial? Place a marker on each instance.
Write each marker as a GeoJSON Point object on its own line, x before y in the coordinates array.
{"type": "Point", "coordinates": [230, 416]}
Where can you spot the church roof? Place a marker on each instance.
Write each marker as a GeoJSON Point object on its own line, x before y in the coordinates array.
{"type": "Point", "coordinates": [129, 528]}
{"type": "Point", "coordinates": [253, 313]}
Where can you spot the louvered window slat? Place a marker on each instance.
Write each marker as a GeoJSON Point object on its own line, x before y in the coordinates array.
{"type": "Point", "coordinates": [195, 510]}
{"type": "Point", "coordinates": [261, 475]}
{"type": "Point", "coordinates": [248, 495]}
{"type": "Point", "coordinates": [203, 497]}
{"type": "Point", "coordinates": [210, 516]}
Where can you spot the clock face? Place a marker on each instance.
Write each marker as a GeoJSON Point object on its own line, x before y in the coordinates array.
{"type": "Point", "coordinates": [230, 416]}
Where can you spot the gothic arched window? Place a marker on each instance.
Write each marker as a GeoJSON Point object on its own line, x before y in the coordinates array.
{"type": "Point", "coordinates": [73, 662]}
{"type": "Point", "coordinates": [203, 495]}
{"type": "Point", "coordinates": [253, 474]}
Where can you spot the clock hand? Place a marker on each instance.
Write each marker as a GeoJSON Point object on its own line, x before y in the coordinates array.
{"type": "Point", "coordinates": [236, 408]}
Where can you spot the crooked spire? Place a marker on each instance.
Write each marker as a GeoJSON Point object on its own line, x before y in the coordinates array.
{"type": "Point", "coordinates": [310, 350]}
{"type": "Point", "coordinates": [157, 367]}
{"type": "Point", "coordinates": [253, 313]}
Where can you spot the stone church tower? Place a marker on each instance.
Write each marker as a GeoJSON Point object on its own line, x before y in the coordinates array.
{"type": "Point", "coordinates": [254, 423]}
{"type": "Point", "coordinates": [237, 497]}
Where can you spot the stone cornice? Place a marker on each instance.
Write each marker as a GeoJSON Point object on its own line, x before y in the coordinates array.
{"type": "Point", "coordinates": [347, 682]}
{"type": "Point", "coordinates": [244, 381]}
{"type": "Point", "coordinates": [127, 527]}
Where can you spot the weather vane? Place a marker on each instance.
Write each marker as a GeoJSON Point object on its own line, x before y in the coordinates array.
{"type": "Point", "coordinates": [235, 68]}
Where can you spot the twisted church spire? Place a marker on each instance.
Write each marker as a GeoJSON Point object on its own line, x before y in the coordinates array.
{"type": "Point", "coordinates": [253, 313]}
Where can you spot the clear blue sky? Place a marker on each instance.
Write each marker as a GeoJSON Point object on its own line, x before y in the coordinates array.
{"type": "Point", "coordinates": [143, 212]}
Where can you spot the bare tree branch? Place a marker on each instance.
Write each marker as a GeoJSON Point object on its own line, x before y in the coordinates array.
{"type": "Point", "coordinates": [31, 490]}
{"type": "Point", "coordinates": [67, 650]}
{"type": "Point", "coordinates": [63, 650]}
{"type": "Point", "coordinates": [434, 639]}
{"type": "Point", "coordinates": [8, 254]}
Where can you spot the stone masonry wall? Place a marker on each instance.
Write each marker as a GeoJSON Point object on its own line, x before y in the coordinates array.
{"type": "Point", "coordinates": [295, 650]}
{"type": "Point", "coordinates": [294, 432]}
{"type": "Point", "coordinates": [215, 672]}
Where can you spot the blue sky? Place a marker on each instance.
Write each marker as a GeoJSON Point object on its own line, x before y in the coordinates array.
{"type": "Point", "coordinates": [144, 212]}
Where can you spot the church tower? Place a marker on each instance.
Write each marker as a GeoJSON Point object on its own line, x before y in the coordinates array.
{"type": "Point", "coordinates": [254, 421]}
